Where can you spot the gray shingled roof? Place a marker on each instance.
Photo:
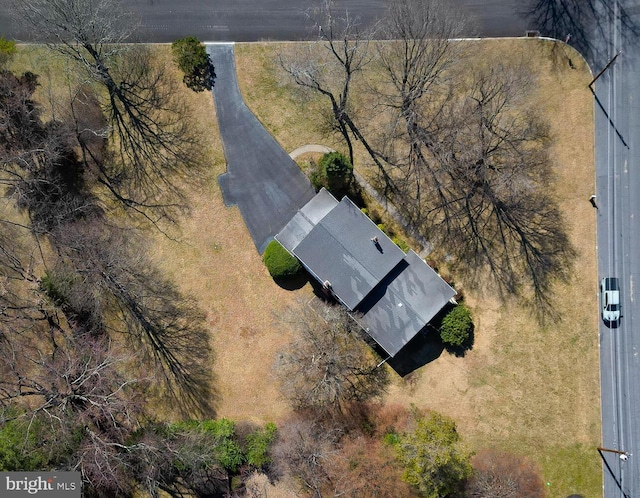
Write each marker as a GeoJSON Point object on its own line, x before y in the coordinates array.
{"type": "Point", "coordinates": [339, 250]}
{"type": "Point", "coordinates": [304, 220]}
{"type": "Point", "coordinates": [395, 294]}
{"type": "Point", "coordinates": [404, 303]}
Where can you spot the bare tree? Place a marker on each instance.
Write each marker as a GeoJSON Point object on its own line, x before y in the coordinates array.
{"type": "Point", "coordinates": [499, 474]}
{"type": "Point", "coordinates": [77, 385]}
{"type": "Point", "coordinates": [110, 276]}
{"type": "Point", "coordinates": [102, 335]}
{"type": "Point", "coordinates": [95, 275]}
{"type": "Point", "coordinates": [333, 73]}
{"type": "Point", "coordinates": [347, 54]}
{"type": "Point", "coordinates": [487, 183]}
{"type": "Point", "coordinates": [415, 65]}
{"type": "Point", "coordinates": [422, 48]}
{"type": "Point", "coordinates": [328, 364]}
{"type": "Point", "coordinates": [148, 132]}
{"type": "Point", "coordinates": [87, 320]}
{"type": "Point", "coordinates": [469, 158]}
{"type": "Point", "coordinates": [18, 251]}
{"type": "Point", "coordinates": [365, 466]}
{"type": "Point", "coordinates": [37, 163]}
{"type": "Point", "coordinates": [190, 458]}
{"type": "Point", "coordinates": [80, 27]}
{"type": "Point", "coordinates": [304, 449]}
{"type": "Point", "coordinates": [335, 457]}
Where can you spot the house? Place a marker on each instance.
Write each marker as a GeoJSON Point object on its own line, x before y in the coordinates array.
{"type": "Point", "coordinates": [393, 295]}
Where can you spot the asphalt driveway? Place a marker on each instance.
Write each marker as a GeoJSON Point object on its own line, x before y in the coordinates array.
{"type": "Point", "coordinates": [261, 178]}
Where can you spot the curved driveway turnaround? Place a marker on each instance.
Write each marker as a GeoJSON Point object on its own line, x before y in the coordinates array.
{"type": "Point", "coordinates": [261, 178]}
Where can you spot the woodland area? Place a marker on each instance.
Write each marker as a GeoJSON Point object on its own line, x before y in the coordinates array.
{"type": "Point", "coordinates": [92, 330]}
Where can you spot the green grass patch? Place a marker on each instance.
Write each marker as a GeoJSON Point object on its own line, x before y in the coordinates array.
{"type": "Point", "coordinates": [575, 469]}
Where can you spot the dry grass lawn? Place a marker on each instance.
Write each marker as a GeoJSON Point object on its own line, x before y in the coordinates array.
{"type": "Point", "coordinates": [214, 259]}
{"type": "Point", "coordinates": [528, 388]}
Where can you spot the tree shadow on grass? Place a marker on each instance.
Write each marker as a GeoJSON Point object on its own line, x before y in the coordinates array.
{"type": "Point", "coordinates": [584, 24]}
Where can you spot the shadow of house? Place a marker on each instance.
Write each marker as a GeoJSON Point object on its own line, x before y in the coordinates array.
{"type": "Point", "coordinates": [424, 348]}
{"type": "Point", "coordinates": [392, 295]}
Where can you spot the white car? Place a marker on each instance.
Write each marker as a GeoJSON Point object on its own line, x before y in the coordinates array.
{"type": "Point", "coordinates": [610, 299]}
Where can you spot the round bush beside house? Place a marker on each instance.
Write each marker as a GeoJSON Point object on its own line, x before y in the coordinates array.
{"type": "Point", "coordinates": [279, 262]}
{"type": "Point", "coordinates": [456, 326]}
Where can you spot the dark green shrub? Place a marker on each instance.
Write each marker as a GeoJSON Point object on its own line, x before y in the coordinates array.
{"type": "Point", "coordinates": [21, 447]}
{"type": "Point", "coordinates": [317, 177]}
{"type": "Point", "coordinates": [279, 262]}
{"type": "Point", "coordinates": [338, 173]}
{"type": "Point", "coordinates": [55, 288]}
{"type": "Point", "coordinates": [191, 57]}
{"type": "Point", "coordinates": [456, 326]}
{"type": "Point", "coordinates": [218, 440]}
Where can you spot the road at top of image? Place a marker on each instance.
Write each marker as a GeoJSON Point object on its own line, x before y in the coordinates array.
{"type": "Point", "coordinates": [283, 20]}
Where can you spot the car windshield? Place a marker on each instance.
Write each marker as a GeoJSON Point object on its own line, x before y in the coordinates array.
{"type": "Point", "coordinates": [612, 307]}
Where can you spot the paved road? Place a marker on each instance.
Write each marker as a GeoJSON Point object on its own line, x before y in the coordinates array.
{"type": "Point", "coordinates": [253, 20]}
{"type": "Point", "coordinates": [618, 194]}
{"type": "Point", "coordinates": [261, 178]}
